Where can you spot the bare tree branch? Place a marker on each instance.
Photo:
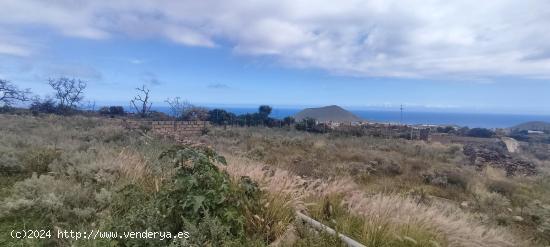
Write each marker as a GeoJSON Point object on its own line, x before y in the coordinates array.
{"type": "Point", "coordinates": [69, 92]}
{"type": "Point", "coordinates": [9, 93]}
{"type": "Point", "coordinates": [141, 101]}
{"type": "Point", "coordinates": [178, 107]}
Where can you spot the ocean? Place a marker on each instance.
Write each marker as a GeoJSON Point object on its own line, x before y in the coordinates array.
{"type": "Point", "coordinates": [472, 120]}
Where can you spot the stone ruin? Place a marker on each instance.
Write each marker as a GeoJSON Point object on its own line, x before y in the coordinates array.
{"type": "Point", "coordinates": [177, 130]}
{"type": "Point", "coordinates": [496, 155]}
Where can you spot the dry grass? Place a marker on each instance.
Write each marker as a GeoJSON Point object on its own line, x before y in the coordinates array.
{"type": "Point", "coordinates": [457, 227]}
{"type": "Point", "coordinates": [376, 182]}
{"type": "Point", "coordinates": [415, 170]}
{"type": "Point", "coordinates": [135, 169]}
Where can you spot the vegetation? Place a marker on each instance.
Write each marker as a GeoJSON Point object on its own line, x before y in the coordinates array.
{"type": "Point", "coordinates": [402, 172]}
{"type": "Point", "coordinates": [10, 94]}
{"type": "Point", "coordinates": [481, 132]}
{"type": "Point", "coordinates": [311, 125]}
{"type": "Point", "coordinates": [261, 118]}
{"type": "Point", "coordinates": [178, 107]}
{"type": "Point", "coordinates": [77, 172]}
{"type": "Point", "coordinates": [112, 110]}
{"type": "Point", "coordinates": [142, 102]}
{"type": "Point", "coordinates": [68, 92]}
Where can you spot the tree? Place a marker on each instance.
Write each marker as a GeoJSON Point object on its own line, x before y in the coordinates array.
{"type": "Point", "coordinates": [68, 92]}
{"type": "Point", "coordinates": [307, 124]}
{"type": "Point", "coordinates": [220, 116]}
{"type": "Point", "coordinates": [47, 105]}
{"type": "Point", "coordinates": [178, 106]}
{"type": "Point", "coordinates": [481, 132]}
{"type": "Point", "coordinates": [264, 111]}
{"type": "Point", "coordinates": [196, 114]}
{"type": "Point", "coordinates": [9, 93]}
{"type": "Point", "coordinates": [289, 121]}
{"type": "Point", "coordinates": [112, 110]}
{"type": "Point", "coordinates": [141, 101]}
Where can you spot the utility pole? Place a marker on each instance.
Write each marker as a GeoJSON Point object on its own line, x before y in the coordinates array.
{"type": "Point", "coordinates": [401, 113]}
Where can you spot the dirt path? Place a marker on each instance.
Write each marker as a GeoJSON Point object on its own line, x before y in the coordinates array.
{"type": "Point", "coordinates": [511, 144]}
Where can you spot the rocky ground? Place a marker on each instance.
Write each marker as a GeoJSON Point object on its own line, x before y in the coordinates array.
{"type": "Point", "coordinates": [497, 155]}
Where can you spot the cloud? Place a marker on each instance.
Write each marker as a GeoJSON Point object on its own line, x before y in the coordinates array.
{"type": "Point", "coordinates": [150, 78]}
{"type": "Point", "coordinates": [218, 86]}
{"type": "Point", "coordinates": [14, 45]}
{"type": "Point", "coordinates": [15, 50]}
{"type": "Point", "coordinates": [84, 72]}
{"type": "Point", "coordinates": [189, 37]}
{"type": "Point", "coordinates": [137, 61]}
{"type": "Point", "coordinates": [375, 38]}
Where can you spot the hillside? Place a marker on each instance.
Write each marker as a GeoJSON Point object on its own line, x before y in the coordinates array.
{"type": "Point", "coordinates": [332, 113]}
{"type": "Point", "coordinates": [534, 125]}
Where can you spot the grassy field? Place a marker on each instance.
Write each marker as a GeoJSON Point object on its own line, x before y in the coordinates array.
{"type": "Point", "coordinates": [427, 187]}
{"type": "Point", "coordinates": [82, 173]}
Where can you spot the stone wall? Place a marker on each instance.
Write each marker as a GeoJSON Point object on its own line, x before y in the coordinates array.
{"type": "Point", "coordinates": [173, 129]}
{"type": "Point", "coordinates": [178, 128]}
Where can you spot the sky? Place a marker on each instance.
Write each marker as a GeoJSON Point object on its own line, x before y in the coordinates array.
{"type": "Point", "coordinates": [433, 55]}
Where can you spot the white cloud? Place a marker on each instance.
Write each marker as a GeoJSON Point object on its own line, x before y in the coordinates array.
{"type": "Point", "coordinates": [137, 61]}
{"type": "Point", "coordinates": [399, 38]}
{"type": "Point", "coordinates": [15, 50]}
{"type": "Point", "coordinates": [189, 37]}
{"type": "Point", "coordinates": [14, 45]}
{"type": "Point", "coordinates": [85, 72]}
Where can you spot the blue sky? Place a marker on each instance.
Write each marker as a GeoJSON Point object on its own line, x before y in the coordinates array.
{"type": "Point", "coordinates": [435, 55]}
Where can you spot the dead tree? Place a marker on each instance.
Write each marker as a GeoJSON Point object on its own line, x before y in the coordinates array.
{"type": "Point", "coordinates": [141, 101]}
{"type": "Point", "coordinates": [69, 92]}
{"type": "Point", "coordinates": [196, 113]}
{"type": "Point", "coordinates": [178, 107]}
{"type": "Point", "coordinates": [9, 93]}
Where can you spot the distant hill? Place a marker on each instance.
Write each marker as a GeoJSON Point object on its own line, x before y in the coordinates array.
{"type": "Point", "coordinates": [332, 113]}
{"type": "Point", "coordinates": [535, 125]}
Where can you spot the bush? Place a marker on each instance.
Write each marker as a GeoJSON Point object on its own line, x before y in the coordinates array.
{"type": "Point", "coordinates": [112, 110]}
{"type": "Point", "coordinates": [9, 164]}
{"type": "Point", "coordinates": [446, 178]}
{"type": "Point", "coordinates": [220, 117]}
{"type": "Point", "coordinates": [46, 106]}
{"type": "Point", "coordinates": [494, 204]}
{"type": "Point", "coordinates": [481, 132]}
{"type": "Point", "coordinates": [200, 198]}
{"type": "Point", "coordinates": [196, 114]}
{"type": "Point", "coordinates": [311, 125]}
{"type": "Point", "coordinates": [539, 215]}
{"type": "Point", "coordinates": [502, 187]}
{"type": "Point", "coordinates": [38, 160]}
{"type": "Point", "coordinates": [446, 129]}
{"type": "Point", "coordinates": [52, 200]}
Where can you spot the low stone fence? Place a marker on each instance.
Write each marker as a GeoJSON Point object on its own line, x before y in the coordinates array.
{"type": "Point", "coordinates": [174, 129]}
{"type": "Point", "coordinates": [390, 131]}
{"type": "Point", "coordinates": [179, 128]}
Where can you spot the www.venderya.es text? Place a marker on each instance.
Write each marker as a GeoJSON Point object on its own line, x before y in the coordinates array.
{"type": "Point", "coordinates": [96, 234]}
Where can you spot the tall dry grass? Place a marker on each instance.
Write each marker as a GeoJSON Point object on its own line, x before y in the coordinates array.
{"type": "Point", "coordinates": [133, 168]}
{"type": "Point", "coordinates": [456, 226]}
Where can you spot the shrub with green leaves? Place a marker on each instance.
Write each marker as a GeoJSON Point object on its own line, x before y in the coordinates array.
{"type": "Point", "coordinates": [199, 199]}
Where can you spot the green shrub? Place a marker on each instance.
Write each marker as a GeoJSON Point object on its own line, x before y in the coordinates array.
{"type": "Point", "coordinates": [199, 199]}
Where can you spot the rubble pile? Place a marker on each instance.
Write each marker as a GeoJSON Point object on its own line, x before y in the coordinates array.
{"type": "Point", "coordinates": [497, 155]}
